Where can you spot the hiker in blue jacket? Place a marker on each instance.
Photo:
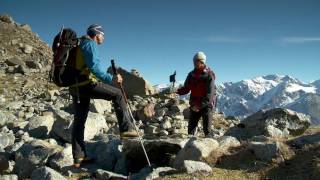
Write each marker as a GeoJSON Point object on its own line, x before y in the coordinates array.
{"type": "Point", "coordinates": [89, 62]}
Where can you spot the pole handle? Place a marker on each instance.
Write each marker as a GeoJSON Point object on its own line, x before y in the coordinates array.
{"type": "Point", "coordinates": [114, 69]}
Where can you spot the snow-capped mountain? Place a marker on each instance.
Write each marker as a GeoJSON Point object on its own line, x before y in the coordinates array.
{"type": "Point", "coordinates": [248, 96]}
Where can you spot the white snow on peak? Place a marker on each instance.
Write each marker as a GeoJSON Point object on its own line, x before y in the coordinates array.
{"type": "Point", "coordinates": [296, 87]}
{"type": "Point", "coordinates": [260, 85]}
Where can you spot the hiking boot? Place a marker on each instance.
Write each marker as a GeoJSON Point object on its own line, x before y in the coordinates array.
{"type": "Point", "coordinates": [129, 134]}
{"type": "Point", "coordinates": [79, 161]}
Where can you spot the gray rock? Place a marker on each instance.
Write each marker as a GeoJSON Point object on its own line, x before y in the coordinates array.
{"type": "Point", "coordinates": [6, 18]}
{"type": "Point", "coordinates": [4, 129]}
{"type": "Point", "coordinates": [166, 124]}
{"type": "Point", "coordinates": [6, 139]}
{"type": "Point", "coordinates": [2, 99]}
{"type": "Point", "coordinates": [151, 129]}
{"type": "Point", "coordinates": [273, 131]}
{"type": "Point", "coordinates": [228, 141]}
{"type": "Point", "coordinates": [15, 105]}
{"type": "Point", "coordinates": [14, 41]}
{"type": "Point", "coordinates": [265, 151]}
{"type": "Point", "coordinates": [62, 159]}
{"type": "Point", "coordinates": [147, 112]}
{"type": "Point", "coordinates": [195, 149]}
{"type": "Point", "coordinates": [62, 126]}
{"type": "Point", "coordinates": [27, 49]}
{"type": "Point", "coordinates": [111, 118]}
{"type": "Point", "coordinates": [33, 64]}
{"type": "Point", "coordinates": [14, 62]}
{"type": "Point", "coordinates": [163, 133]}
{"type": "Point", "coordinates": [46, 173]}
{"type": "Point", "coordinates": [195, 166]}
{"type": "Point", "coordinates": [9, 177]}
{"type": "Point", "coordinates": [161, 112]}
{"type": "Point", "coordinates": [95, 124]}
{"type": "Point", "coordinates": [32, 155]}
{"type": "Point", "coordinates": [13, 148]}
{"type": "Point", "coordinates": [6, 117]}
{"type": "Point", "coordinates": [277, 122]}
{"type": "Point", "coordinates": [22, 70]}
{"type": "Point", "coordinates": [26, 137]}
{"type": "Point", "coordinates": [134, 85]}
{"type": "Point", "coordinates": [26, 27]}
{"type": "Point", "coordinates": [106, 153]}
{"type": "Point", "coordinates": [106, 175]}
{"type": "Point", "coordinates": [40, 126]}
{"type": "Point", "coordinates": [100, 106]}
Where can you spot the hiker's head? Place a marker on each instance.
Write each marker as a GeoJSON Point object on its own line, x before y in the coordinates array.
{"type": "Point", "coordinates": [199, 60]}
{"type": "Point", "coordinates": [96, 33]}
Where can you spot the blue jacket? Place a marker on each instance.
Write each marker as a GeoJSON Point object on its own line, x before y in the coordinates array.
{"type": "Point", "coordinates": [89, 50]}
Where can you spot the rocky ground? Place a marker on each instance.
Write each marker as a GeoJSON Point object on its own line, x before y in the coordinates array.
{"type": "Point", "coordinates": [36, 120]}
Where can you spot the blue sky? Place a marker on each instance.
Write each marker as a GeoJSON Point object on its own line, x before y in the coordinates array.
{"type": "Point", "coordinates": [241, 38]}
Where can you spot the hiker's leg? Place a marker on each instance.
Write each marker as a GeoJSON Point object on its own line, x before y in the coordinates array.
{"type": "Point", "coordinates": [193, 121]}
{"type": "Point", "coordinates": [81, 112]}
{"type": "Point", "coordinates": [108, 92]}
{"type": "Point", "coordinates": [207, 120]}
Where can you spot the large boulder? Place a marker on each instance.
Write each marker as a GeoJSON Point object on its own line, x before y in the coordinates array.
{"type": "Point", "coordinates": [196, 150]}
{"type": "Point", "coordinates": [277, 122]}
{"type": "Point", "coordinates": [62, 126]}
{"type": "Point", "coordinates": [135, 85]}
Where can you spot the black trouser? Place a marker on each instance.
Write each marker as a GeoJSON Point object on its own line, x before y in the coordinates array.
{"type": "Point", "coordinates": [95, 91]}
{"type": "Point", "coordinates": [206, 114]}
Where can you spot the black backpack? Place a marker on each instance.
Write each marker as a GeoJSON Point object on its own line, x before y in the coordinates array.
{"type": "Point", "coordinates": [63, 70]}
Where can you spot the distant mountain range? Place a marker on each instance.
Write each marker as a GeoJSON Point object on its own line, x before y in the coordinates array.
{"type": "Point", "coordinates": [265, 92]}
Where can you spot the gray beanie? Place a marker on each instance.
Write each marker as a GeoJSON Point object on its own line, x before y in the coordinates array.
{"type": "Point", "coordinates": [200, 56]}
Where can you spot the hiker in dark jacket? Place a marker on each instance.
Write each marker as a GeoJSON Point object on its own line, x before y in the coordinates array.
{"type": "Point", "coordinates": [200, 81]}
{"type": "Point", "coordinates": [89, 63]}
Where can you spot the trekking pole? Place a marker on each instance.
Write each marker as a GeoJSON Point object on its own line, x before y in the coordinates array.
{"type": "Point", "coordinates": [130, 112]}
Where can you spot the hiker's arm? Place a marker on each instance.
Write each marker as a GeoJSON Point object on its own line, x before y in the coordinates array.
{"type": "Point", "coordinates": [186, 87]}
{"type": "Point", "coordinates": [93, 62]}
{"type": "Point", "coordinates": [211, 90]}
